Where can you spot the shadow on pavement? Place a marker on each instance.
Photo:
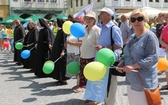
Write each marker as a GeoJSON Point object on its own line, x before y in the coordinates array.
{"type": "Point", "coordinates": [53, 92]}
{"type": "Point", "coordinates": [70, 102]}
{"type": "Point", "coordinates": [28, 100]}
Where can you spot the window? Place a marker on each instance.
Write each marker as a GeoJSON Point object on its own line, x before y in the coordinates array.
{"type": "Point", "coordinates": [157, 1]}
{"type": "Point", "coordinates": [98, 0]}
{"type": "Point", "coordinates": [28, 0]}
{"type": "Point", "coordinates": [127, 0]}
{"type": "Point", "coordinates": [138, 0]}
{"type": "Point", "coordinates": [71, 3]}
{"type": "Point", "coordinates": [53, 1]}
{"type": "Point", "coordinates": [81, 2]}
{"type": "Point", "coordinates": [89, 1]}
{"type": "Point", "coordinates": [76, 3]}
{"type": "Point", "coordinates": [40, 0]}
{"type": "Point", "coordinates": [150, 0]}
{"type": "Point", "coordinates": [115, 0]}
{"type": "Point", "coordinates": [165, 0]}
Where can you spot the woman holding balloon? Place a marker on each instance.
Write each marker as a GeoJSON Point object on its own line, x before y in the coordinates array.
{"type": "Point", "coordinates": [58, 55]}
{"type": "Point", "coordinates": [43, 47]}
{"type": "Point", "coordinates": [87, 48]}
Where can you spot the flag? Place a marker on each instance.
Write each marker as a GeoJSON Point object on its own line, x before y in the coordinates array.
{"type": "Point", "coordinates": [82, 12]}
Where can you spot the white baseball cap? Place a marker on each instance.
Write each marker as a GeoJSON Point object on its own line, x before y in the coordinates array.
{"type": "Point", "coordinates": [108, 10]}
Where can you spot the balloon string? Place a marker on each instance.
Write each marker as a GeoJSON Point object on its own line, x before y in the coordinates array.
{"type": "Point", "coordinates": [57, 59]}
{"type": "Point", "coordinates": [90, 42]}
{"type": "Point", "coordinates": [29, 45]}
{"type": "Point", "coordinates": [19, 40]}
{"type": "Point", "coordinates": [32, 48]}
{"type": "Point", "coordinates": [114, 67]}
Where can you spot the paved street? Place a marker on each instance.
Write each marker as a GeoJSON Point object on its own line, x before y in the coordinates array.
{"type": "Point", "coordinates": [19, 86]}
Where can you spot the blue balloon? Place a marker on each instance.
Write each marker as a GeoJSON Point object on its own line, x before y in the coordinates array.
{"type": "Point", "coordinates": [25, 54]}
{"type": "Point", "coordinates": [3, 34]}
{"type": "Point", "coordinates": [77, 30]}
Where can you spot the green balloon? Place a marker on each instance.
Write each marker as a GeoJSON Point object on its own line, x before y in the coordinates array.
{"type": "Point", "coordinates": [73, 68]}
{"type": "Point", "coordinates": [18, 45]}
{"type": "Point", "coordinates": [48, 67]}
{"type": "Point", "coordinates": [106, 56]}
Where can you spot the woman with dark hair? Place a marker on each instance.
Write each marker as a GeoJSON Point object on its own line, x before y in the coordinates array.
{"type": "Point", "coordinates": [59, 50]}
{"type": "Point", "coordinates": [44, 47]}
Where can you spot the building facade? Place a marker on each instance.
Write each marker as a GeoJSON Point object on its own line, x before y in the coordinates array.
{"type": "Point", "coordinates": [123, 6]}
{"type": "Point", "coordinates": [4, 9]}
{"type": "Point", "coordinates": [45, 8]}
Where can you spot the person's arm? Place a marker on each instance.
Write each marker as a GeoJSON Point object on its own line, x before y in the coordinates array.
{"type": "Point", "coordinates": [150, 55]}
{"type": "Point", "coordinates": [74, 43]}
{"type": "Point", "coordinates": [162, 42]}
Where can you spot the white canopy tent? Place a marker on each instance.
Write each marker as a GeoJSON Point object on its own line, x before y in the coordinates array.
{"type": "Point", "coordinates": [151, 12]}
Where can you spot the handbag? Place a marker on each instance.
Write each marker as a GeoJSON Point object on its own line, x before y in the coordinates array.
{"type": "Point", "coordinates": [113, 70]}
{"type": "Point", "coordinates": [152, 96]}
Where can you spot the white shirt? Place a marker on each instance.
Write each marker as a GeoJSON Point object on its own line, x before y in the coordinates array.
{"type": "Point", "coordinates": [72, 48]}
{"type": "Point", "coordinates": [87, 49]}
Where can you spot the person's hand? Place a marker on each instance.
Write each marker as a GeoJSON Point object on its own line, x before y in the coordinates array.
{"type": "Point", "coordinates": [98, 47]}
{"type": "Point", "coordinates": [121, 64]}
{"type": "Point", "coordinates": [36, 45]}
{"type": "Point", "coordinates": [62, 54]}
{"type": "Point", "coordinates": [119, 69]}
{"type": "Point", "coordinates": [128, 68]}
{"type": "Point", "coordinates": [50, 46]}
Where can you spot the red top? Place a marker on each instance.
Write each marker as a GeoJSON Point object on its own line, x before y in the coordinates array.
{"type": "Point", "coordinates": [165, 35]}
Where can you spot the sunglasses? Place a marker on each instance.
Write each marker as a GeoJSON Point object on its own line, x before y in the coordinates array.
{"type": "Point", "coordinates": [139, 19]}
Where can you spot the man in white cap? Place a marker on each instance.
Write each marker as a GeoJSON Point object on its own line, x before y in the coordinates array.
{"type": "Point", "coordinates": [104, 40]}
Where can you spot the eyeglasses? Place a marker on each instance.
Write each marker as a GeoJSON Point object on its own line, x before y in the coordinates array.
{"type": "Point", "coordinates": [139, 19]}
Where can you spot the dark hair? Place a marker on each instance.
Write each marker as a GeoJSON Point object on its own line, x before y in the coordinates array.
{"type": "Point", "coordinates": [70, 16]}
{"type": "Point", "coordinates": [112, 17]}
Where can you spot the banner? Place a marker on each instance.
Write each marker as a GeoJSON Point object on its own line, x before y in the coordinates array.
{"type": "Point", "coordinates": [81, 13]}
{"type": "Point", "coordinates": [96, 91]}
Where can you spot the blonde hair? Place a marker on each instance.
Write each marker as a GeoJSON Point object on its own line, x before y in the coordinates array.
{"type": "Point", "coordinates": [166, 13]}
{"type": "Point", "coordinates": [140, 12]}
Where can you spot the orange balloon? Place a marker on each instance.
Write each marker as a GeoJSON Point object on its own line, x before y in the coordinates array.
{"type": "Point", "coordinates": [9, 31]}
{"type": "Point", "coordinates": [162, 64]}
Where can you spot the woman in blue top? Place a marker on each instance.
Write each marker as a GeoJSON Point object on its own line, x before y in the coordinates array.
{"type": "Point", "coordinates": [140, 55]}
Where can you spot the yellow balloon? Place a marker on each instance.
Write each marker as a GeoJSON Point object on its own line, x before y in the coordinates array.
{"type": "Point", "coordinates": [94, 71]}
{"type": "Point", "coordinates": [66, 27]}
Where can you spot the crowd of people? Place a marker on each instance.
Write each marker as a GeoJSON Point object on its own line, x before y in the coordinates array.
{"type": "Point", "coordinates": [136, 44]}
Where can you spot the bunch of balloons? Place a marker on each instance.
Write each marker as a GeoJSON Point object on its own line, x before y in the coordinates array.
{"type": "Point", "coordinates": [76, 29]}
{"type": "Point", "coordinates": [95, 71]}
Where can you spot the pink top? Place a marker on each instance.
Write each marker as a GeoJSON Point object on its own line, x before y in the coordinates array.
{"type": "Point", "coordinates": [165, 35]}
